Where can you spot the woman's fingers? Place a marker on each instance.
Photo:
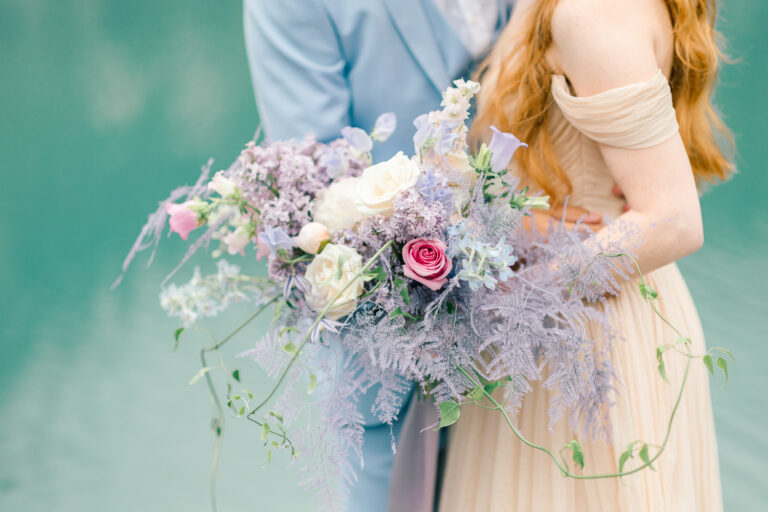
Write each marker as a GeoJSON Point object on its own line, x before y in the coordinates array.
{"type": "Point", "coordinates": [572, 214]}
{"type": "Point", "coordinates": [540, 220]}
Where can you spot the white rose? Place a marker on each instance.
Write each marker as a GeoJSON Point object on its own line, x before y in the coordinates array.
{"type": "Point", "coordinates": [311, 236]}
{"type": "Point", "coordinates": [223, 185]}
{"type": "Point", "coordinates": [325, 282]}
{"type": "Point", "coordinates": [381, 183]}
{"type": "Point", "coordinates": [335, 206]}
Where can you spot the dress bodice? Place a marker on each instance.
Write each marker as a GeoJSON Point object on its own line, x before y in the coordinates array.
{"type": "Point", "coordinates": [634, 116]}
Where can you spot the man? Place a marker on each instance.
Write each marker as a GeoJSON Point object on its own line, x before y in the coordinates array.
{"type": "Point", "coordinates": [320, 65]}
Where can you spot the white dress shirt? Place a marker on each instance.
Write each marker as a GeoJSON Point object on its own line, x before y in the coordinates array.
{"type": "Point", "coordinates": [474, 21]}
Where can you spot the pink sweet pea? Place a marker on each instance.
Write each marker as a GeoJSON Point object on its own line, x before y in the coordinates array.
{"type": "Point", "coordinates": [183, 220]}
{"type": "Point", "coordinates": [425, 261]}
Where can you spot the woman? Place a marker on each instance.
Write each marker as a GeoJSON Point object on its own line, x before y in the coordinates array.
{"type": "Point", "coordinates": [608, 94]}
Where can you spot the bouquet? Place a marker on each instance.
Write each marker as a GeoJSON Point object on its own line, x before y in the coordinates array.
{"type": "Point", "coordinates": [416, 271]}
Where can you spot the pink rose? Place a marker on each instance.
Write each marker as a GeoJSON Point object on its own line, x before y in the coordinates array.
{"type": "Point", "coordinates": [183, 220]}
{"type": "Point", "coordinates": [426, 262]}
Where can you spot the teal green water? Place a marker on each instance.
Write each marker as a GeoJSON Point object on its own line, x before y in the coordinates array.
{"type": "Point", "coordinates": [106, 106]}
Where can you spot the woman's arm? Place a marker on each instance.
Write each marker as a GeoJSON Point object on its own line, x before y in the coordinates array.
{"type": "Point", "coordinates": [602, 45]}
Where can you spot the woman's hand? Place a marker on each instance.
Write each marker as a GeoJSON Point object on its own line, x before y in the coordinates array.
{"type": "Point", "coordinates": [572, 216]}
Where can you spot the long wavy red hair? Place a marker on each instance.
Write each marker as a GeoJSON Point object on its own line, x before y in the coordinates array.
{"type": "Point", "coordinates": [516, 95]}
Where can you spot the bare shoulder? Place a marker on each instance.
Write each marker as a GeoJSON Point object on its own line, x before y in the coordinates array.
{"type": "Point", "coordinates": [602, 44]}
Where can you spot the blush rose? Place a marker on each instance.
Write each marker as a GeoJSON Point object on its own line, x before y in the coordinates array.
{"type": "Point", "coordinates": [425, 261]}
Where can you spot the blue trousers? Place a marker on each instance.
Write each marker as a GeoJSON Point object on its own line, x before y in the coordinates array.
{"type": "Point", "coordinates": [371, 491]}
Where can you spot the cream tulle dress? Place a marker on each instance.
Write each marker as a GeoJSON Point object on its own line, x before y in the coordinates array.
{"type": "Point", "coordinates": [488, 469]}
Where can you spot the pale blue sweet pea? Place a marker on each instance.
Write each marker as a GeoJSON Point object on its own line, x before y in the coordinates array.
{"type": "Point", "coordinates": [276, 238]}
{"type": "Point", "coordinates": [503, 146]}
{"type": "Point", "coordinates": [424, 131]}
{"type": "Point", "coordinates": [334, 163]}
{"type": "Point", "coordinates": [357, 138]}
{"type": "Point", "coordinates": [428, 136]}
{"type": "Point", "coordinates": [384, 127]}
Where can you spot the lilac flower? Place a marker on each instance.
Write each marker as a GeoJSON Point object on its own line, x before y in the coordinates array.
{"type": "Point", "coordinates": [357, 138]}
{"type": "Point", "coordinates": [384, 127]}
{"type": "Point", "coordinates": [414, 218]}
{"type": "Point", "coordinates": [503, 146]}
{"type": "Point", "coordinates": [276, 239]}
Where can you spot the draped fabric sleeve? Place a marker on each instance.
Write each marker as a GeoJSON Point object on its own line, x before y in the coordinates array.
{"type": "Point", "coordinates": [634, 116]}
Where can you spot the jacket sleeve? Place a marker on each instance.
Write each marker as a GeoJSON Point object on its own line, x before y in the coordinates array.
{"type": "Point", "coordinates": [297, 68]}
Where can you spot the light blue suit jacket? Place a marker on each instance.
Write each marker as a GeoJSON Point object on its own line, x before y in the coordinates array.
{"type": "Point", "coordinates": [320, 65]}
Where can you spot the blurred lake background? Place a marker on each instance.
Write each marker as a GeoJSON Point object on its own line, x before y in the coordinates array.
{"type": "Point", "coordinates": [106, 106]}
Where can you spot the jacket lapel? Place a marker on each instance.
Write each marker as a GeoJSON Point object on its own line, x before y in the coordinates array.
{"type": "Point", "coordinates": [411, 23]}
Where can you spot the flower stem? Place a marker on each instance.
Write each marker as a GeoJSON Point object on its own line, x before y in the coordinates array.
{"type": "Point", "coordinates": [218, 419]}
{"type": "Point", "coordinates": [561, 464]}
{"type": "Point", "coordinates": [308, 333]}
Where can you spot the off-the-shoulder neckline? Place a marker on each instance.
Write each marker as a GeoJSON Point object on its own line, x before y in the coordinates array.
{"type": "Point", "coordinates": [608, 92]}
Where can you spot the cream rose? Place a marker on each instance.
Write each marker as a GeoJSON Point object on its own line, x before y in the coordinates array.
{"type": "Point", "coordinates": [381, 183]}
{"type": "Point", "coordinates": [334, 206]}
{"type": "Point", "coordinates": [325, 282]}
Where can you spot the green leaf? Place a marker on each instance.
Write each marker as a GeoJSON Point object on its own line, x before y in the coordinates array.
{"type": "Point", "coordinates": [176, 335]}
{"type": "Point", "coordinates": [236, 375]}
{"type": "Point", "coordinates": [450, 307]}
{"type": "Point", "coordinates": [644, 456]}
{"type": "Point", "coordinates": [322, 246]}
{"type": "Point", "coordinates": [200, 374]}
{"type": "Point", "coordinates": [402, 288]}
{"type": "Point", "coordinates": [578, 453]}
{"type": "Point", "coordinates": [647, 292]}
{"type": "Point", "coordinates": [399, 312]}
{"type": "Point", "coordinates": [493, 386]}
{"type": "Point", "coordinates": [312, 384]}
{"type": "Point", "coordinates": [707, 360]}
{"type": "Point", "coordinates": [277, 415]}
{"type": "Point", "coordinates": [290, 348]}
{"type": "Point", "coordinates": [378, 274]}
{"type": "Point", "coordinates": [236, 397]}
{"type": "Point", "coordinates": [449, 413]}
{"type": "Point", "coordinates": [269, 456]}
{"type": "Point", "coordinates": [663, 371]}
{"type": "Point", "coordinates": [264, 431]}
{"type": "Point", "coordinates": [722, 363]}
{"type": "Point", "coordinates": [476, 394]}
{"type": "Point", "coordinates": [624, 457]}
{"type": "Point", "coordinates": [241, 411]}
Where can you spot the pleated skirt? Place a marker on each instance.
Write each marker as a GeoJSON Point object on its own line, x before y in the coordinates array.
{"type": "Point", "coordinates": [489, 469]}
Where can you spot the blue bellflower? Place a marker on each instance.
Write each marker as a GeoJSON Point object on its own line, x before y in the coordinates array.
{"type": "Point", "coordinates": [503, 146]}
